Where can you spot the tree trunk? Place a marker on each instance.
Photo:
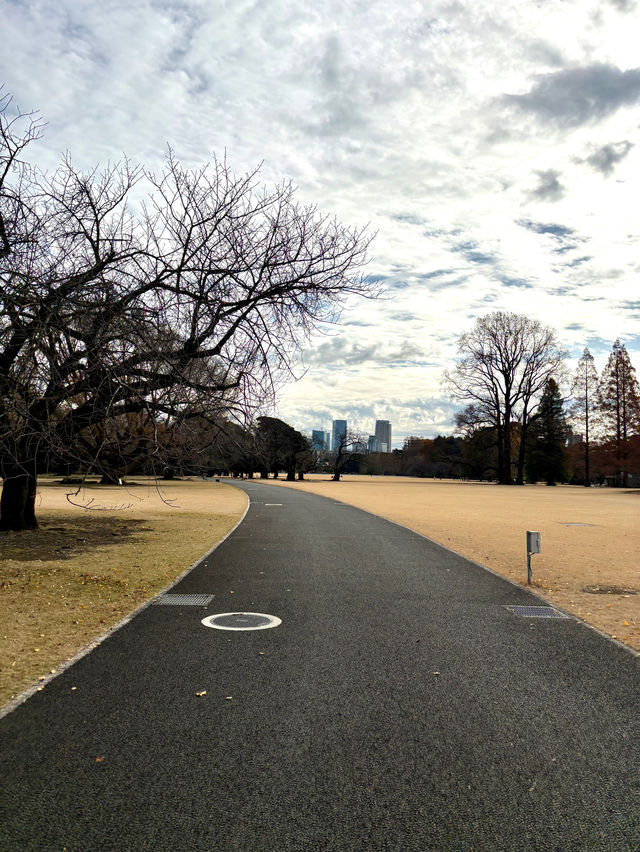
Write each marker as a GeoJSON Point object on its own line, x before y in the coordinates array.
{"type": "Point", "coordinates": [587, 475]}
{"type": "Point", "coordinates": [17, 504]}
{"type": "Point", "coordinates": [336, 476]}
{"type": "Point", "coordinates": [291, 475]}
{"type": "Point", "coordinates": [505, 456]}
{"type": "Point", "coordinates": [109, 478]}
{"type": "Point", "coordinates": [500, 444]}
{"type": "Point", "coordinates": [522, 449]}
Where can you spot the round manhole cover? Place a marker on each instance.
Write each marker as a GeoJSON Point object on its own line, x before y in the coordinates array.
{"type": "Point", "coordinates": [241, 621]}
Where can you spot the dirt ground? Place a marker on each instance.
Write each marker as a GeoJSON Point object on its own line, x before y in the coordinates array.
{"type": "Point", "coordinates": [65, 584]}
{"type": "Point", "coordinates": [590, 537]}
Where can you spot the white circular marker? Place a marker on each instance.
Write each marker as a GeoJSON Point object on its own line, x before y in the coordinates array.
{"type": "Point", "coordinates": [241, 621]}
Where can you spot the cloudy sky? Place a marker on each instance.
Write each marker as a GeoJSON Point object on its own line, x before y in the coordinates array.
{"type": "Point", "coordinates": [494, 145]}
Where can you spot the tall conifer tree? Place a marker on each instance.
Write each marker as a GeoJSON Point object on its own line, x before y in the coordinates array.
{"type": "Point", "coordinates": [585, 393]}
{"type": "Point", "coordinates": [547, 438]}
{"type": "Point", "coordinates": [620, 402]}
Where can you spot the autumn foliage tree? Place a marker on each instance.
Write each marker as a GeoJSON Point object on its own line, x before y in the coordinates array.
{"type": "Point", "coordinates": [620, 402]}
{"type": "Point", "coordinates": [125, 291]}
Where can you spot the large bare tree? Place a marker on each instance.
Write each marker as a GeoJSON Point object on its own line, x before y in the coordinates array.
{"type": "Point", "coordinates": [125, 291]}
{"type": "Point", "coordinates": [505, 362]}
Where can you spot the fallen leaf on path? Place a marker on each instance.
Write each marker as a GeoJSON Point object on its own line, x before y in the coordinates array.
{"type": "Point", "coordinates": [99, 759]}
{"type": "Point", "coordinates": [200, 694]}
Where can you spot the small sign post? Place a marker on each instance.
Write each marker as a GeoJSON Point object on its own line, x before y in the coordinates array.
{"type": "Point", "coordinates": [533, 546]}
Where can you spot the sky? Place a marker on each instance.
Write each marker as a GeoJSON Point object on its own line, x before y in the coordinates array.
{"type": "Point", "coordinates": [493, 147]}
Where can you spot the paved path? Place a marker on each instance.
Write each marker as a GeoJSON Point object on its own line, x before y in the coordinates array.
{"type": "Point", "coordinates": [399, 706]}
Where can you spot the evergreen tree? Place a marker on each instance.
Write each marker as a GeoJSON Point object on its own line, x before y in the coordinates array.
{"type": "Point", "coordinates": [585, 392]}
{"type": "Point", "coordinates": [620, 404]}
{"type": "Point", "coordinates": [547, 438]}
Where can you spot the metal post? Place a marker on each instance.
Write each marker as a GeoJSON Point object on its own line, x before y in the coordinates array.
{"type": "Point", "coordinates": [533, 546]}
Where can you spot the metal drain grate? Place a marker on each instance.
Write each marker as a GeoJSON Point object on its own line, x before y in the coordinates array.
{"type": "Point", "coordinates": [184, 600]}
{"type": "Point", "coordinates": [536, 611]}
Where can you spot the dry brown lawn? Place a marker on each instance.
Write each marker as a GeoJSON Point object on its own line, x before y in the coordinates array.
{"type": "Point", "coordinates": [84, 570]}
{"type": "Point", "coordinates": [590, 537]}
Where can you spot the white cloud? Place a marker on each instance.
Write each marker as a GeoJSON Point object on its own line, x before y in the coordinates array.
{"type": "Point", "coordinates": [493, 146]}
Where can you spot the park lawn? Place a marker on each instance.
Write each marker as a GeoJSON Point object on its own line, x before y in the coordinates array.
{"type": "Point", "coordinates": [65, 584]}
{"type": "Point", "coordinates": [590, 560]}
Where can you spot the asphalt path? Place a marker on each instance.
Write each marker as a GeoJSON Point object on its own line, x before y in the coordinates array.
{"type": "Point", "coordinates": [398, 706]}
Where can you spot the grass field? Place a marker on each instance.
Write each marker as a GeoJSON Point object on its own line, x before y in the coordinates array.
{"type": "Point", "coordinates": [86, 569]}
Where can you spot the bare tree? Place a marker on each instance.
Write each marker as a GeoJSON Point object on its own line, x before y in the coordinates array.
{"type": "Point", "coordinates": [586, 403]}
{"type": "Point", "coordinates": [196, 299]}
{"type": "Point", "coordinates": [505, 362]}
{"type": "Point", "coordinates": [344, 451]}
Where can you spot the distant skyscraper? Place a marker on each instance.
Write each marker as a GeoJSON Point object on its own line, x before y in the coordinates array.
{"type": "Point", "coordinates": [318, 439]}
{"type": "Point", "coordinates": [338, 432]}
{"type": "Point", "coordinates": [383, 435]}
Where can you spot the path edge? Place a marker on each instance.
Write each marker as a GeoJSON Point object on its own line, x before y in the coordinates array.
{"type": "Point", "coordinates": [87, 649]}
{"type": "Point", "coordinates": [607, 636]}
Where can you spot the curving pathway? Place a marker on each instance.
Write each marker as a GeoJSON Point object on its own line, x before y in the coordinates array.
{"type": "Point", "coordinates": [398, 706]}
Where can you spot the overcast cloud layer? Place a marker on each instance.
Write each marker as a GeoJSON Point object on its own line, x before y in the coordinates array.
{"type": "Point", "coordinates": [494, 147]}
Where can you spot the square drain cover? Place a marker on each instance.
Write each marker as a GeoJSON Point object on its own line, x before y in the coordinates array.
{"type": "Point", "coordinates": [536, 611]}
{"type": "Point", "coordinates": [184, 600]}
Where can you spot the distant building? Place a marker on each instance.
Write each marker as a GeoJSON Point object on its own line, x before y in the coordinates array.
{"type": "Point", "coordinates": [318, 439]}
{"type": "Point", "coordinates": [338, 433]}
{"type": "Point", "coordinates": [383, 436]}
{"type": "Point", "coordinates": [327, 441]}
{"type": "Point", "coordinates": [371, 444]}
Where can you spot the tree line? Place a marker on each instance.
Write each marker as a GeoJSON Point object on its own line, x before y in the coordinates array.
{"type": "Point", "coordinates": [510, 371]}
{"type": "Point", "coordinates": [517, 425]}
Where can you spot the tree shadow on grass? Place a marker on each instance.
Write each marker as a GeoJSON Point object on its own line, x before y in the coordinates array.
{"type": "Point", "coordinates": [57, 539]}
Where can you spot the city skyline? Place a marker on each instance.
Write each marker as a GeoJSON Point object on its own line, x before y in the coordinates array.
{"type": "Point", "coordinates": [511, 189]}
{"type": "Point", "coordinates": [379, 441]}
